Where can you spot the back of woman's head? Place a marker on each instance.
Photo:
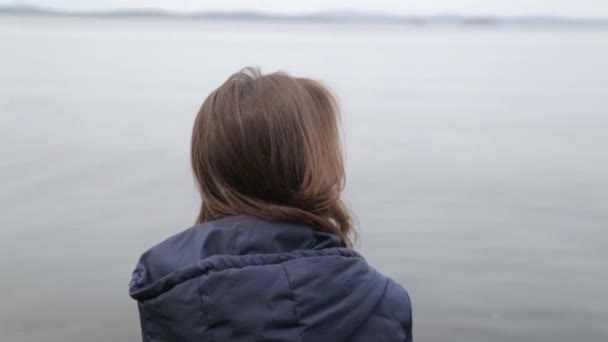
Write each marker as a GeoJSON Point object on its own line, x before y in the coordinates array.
{"type": "Point", "coordinates": [269, 146]}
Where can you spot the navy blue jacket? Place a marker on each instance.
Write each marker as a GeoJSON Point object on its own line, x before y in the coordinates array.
{"type": "Point", "coordinates": [244, 279]}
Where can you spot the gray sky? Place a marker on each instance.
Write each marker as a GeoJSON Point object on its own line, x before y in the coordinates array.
{"type": "Point", "coordinates": [577, 8]}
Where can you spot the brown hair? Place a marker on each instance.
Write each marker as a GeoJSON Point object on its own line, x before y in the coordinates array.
{"type": "Point", "coordinates": [269, 146]}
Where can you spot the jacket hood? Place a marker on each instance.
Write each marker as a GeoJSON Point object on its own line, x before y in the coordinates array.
{"type": "Point", "coordinates": [258, 277]}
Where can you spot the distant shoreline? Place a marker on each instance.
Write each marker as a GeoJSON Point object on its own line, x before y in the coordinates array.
{"type": "Point", "coordinates": [318, 17]}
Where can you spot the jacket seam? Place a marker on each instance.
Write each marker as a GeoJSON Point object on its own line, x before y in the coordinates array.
{"type": "Point", "coordinates": [150, 318]}
{"type": "Point", "coordinates": [293, 300]}
{"type": "Point", "coordinates": [200, 295]}
{"type": "Point", "coordinates": [380, 299]}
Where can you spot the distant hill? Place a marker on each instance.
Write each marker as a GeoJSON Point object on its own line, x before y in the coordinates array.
{"type": "Point", "coordinates": [327, 16]}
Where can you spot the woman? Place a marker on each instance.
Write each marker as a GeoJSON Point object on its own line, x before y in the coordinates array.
{"type": "Point", "coordinates": [271, 257]}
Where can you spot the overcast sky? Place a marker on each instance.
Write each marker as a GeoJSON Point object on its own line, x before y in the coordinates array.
{"type": "Point", "coordinates": [577, 8]}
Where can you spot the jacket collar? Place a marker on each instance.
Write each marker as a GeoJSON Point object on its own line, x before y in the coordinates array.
{"type": "Point", "coordinates": [243, 234]}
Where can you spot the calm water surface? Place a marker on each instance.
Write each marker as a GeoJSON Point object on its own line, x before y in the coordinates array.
{"type": "Point", "coordinates": [477, 166]}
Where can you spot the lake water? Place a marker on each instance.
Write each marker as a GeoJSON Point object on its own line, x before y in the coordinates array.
{"type": "Point", "coordinates": [477, 165]}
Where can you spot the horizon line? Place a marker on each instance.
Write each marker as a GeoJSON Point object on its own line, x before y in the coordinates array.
{"type": "Point", "coordinates": [346, 14]}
